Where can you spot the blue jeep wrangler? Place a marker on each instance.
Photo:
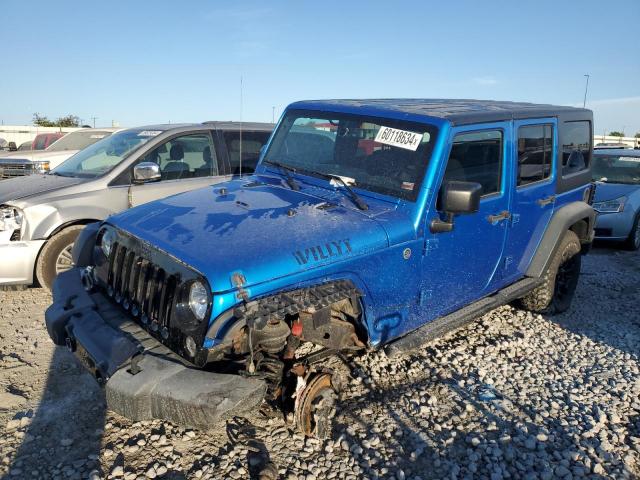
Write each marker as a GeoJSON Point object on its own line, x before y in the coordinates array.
{"type": "Point", "coordinates": [367, 224]}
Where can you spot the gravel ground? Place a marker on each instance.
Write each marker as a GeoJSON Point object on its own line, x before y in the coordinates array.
{"type": "Point", "coordinates": [513, 395]}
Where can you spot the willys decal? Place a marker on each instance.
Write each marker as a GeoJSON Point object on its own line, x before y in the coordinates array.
{"type": "Point", "coordinates": [317, 253]}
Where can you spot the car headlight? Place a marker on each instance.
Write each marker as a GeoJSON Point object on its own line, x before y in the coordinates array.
{"type": "Point", "coordinates": [610, 206]}
{"type": "Point", "coordinates": [198, 300]}
{"type": "Point", "coordinates": [11, 218]}
{"type": "Point", "coordinates": [107, 238]}
{"type": "Point", "coordinates": [42, 167]}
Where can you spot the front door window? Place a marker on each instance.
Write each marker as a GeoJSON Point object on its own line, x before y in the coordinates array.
{"type": "Point", "coordinates": [188, 156]}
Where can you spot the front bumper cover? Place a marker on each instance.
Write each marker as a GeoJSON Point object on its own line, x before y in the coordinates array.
{"type": "Point", "coordinates": [143, 379]}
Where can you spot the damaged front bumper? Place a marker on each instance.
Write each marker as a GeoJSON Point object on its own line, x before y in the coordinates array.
{"type": "Point", "coordinates": [143, 379]}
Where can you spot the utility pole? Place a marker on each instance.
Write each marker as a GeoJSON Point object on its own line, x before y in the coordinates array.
{"type": "Point", "coordinates": [586, 87]}
{"type": "Point", "coordinates": [94, 121]}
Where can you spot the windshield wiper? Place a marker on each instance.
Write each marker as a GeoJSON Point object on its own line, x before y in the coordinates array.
{"type": "Point", "coordinates": [286, 169]}
{"type": "Point", "coordinates": [361, 204]}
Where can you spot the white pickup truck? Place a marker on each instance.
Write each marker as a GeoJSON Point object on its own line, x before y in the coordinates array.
{"type": "Point", "coordinates": [23, 163]}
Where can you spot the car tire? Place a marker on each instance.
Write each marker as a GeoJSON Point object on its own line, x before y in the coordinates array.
{"type": "Point", "coordinates": [55, 256]}
{"type": "Point", "coordinates": [633, 241]}
{"type": "Point", "coordinates": [559, 282]}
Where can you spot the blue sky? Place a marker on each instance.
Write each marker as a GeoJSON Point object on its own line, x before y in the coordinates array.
{"type": "Point", "coordinates": [140, 62]}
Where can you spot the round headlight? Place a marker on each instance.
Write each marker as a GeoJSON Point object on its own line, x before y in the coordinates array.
{"type": "Point", "coordinates": [198, 300]}
{"type": "Point", "coordinates": [106, 242]}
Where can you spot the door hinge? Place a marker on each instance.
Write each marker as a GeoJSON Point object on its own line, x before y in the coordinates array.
{"type": "Point", "coordinates": [430, 245]}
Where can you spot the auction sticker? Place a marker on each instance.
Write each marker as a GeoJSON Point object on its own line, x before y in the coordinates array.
{"type": "Point", "coordinates": [149, 133]}
{"type": "Point", "coordinates": [399, 138]}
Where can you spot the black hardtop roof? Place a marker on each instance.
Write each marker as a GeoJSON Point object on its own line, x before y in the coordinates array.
{"type": "Point", "coordinates": [457, 111]}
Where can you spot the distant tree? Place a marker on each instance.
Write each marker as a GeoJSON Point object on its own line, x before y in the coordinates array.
{"type": "Point", "coordinates": [42, 121]}
{"type": "Point", "coordinates": [637, 135]}
{"type": "Point", "coordinates": [615, 133]}
{"type": "Point", "coordinates": [66, 121]}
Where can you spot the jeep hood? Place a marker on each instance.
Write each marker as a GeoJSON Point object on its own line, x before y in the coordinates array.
{"type": "Point", "coordinates": [264, 232]}
{"type": "Point", "coordinates": [17, 188]}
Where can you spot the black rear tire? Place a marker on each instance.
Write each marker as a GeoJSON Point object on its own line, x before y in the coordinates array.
{"type": "Point", "coordinates": [559, 282]}
{"type": "Point", "coordinates": [55, 256]}
{"type": "Point", "coordinates": [633, 241]}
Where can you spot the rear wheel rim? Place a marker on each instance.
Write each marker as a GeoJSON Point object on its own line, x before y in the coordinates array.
{"type": "Point", "coordinates": [64, 261]}
{"type": "Point", "coordinates": [567, 278]}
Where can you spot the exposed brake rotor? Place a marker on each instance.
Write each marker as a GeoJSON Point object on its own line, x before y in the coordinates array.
{"type": "Point", "coordinates": [315, 407]}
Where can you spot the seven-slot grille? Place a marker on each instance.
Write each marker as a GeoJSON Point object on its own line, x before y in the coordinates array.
{"type": "Point", "coordinates": [147, 290]}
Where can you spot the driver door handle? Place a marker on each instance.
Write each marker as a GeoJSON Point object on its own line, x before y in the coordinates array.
{"type": "Point", "coordinates": [494, 219]}
{"type": "Point", "coordinates": [546, 201]}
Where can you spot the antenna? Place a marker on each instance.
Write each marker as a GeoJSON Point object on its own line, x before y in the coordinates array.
{"type": "Point", "coordinates": [240, 126]}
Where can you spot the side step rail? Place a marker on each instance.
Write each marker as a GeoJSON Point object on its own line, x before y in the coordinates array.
{"type": "Point", "coordinates": [443, 325]}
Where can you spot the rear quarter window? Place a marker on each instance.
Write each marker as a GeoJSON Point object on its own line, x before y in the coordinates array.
{"type": "Point", "coordinates": [576, 147]}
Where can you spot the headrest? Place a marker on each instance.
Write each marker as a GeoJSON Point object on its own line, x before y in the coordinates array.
{"type": "Point", "coordinates": [176, 152]}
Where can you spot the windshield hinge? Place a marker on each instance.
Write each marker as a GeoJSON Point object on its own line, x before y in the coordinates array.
{"type": "Point", "coordinates": [238, 280]}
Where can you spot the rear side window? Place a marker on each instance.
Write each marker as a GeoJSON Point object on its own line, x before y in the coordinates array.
{"type": "Point", "coordinates": [477, 157]}
{"type": "Point", "coordinates": [535, 151]}
{"type": "Point", "coordinates": [576, 147]}
{"type": "Point", "coordinates": [250, 147]}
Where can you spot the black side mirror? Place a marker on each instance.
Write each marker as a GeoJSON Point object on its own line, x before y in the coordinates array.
{"type": "Point", "coordinates": [456, 198]}
{"type": "Point", "coordinates": [13, 147]}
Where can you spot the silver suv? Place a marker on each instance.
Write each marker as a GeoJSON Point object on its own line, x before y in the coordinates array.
{"type": "Point", "coordinates": [41, 215]}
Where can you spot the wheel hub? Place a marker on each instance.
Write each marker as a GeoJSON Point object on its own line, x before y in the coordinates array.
{"type": "Point", "coordinates": [315, 406]}
{"type": "Point", "coordinates": [64, 261]}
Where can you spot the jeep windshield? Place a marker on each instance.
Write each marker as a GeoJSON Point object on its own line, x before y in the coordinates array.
{"type": "Point", "coordinates": [616, 169]}
{"type": "Point", "coordinates": [101, 157]}
{"type": "Point", "coordinates": [377, 154]}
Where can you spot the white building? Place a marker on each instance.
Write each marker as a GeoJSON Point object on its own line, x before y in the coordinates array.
{"type": "Point", "coordinates": [26, 133]}
{"type": "Point", "coordinates": [629, 141]}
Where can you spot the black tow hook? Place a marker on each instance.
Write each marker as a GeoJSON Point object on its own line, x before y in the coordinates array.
{"type": "Point", "coordinates": [134, 367]}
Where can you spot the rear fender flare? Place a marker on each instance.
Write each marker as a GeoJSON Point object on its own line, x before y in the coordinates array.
{"type": "Point", "coordinates": [577, 216]}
